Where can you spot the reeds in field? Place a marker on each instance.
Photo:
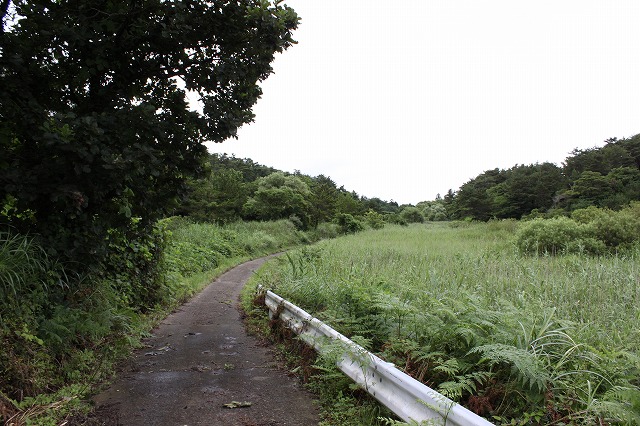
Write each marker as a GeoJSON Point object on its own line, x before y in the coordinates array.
{"type": "Point", "coordinates": [514, 337]}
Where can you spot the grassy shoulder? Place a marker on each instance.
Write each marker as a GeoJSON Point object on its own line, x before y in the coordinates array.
{"type": "Point", "coordinates": [519, 339]}
{"type": "Point", "coordinates": [341, 402]}
{"type": "Point", "coordinates": [59, 351]}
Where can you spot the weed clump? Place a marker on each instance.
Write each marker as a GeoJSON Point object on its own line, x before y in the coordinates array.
{"type": "Point", "coordinates": [591, 230]}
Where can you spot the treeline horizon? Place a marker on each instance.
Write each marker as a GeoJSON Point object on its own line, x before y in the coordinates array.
{"type": "Point", "coordinates": [241, 189]}
{"type": "Point", "coordinates": [604, 177]}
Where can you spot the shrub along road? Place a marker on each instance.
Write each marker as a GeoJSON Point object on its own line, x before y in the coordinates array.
{"type": "Point", "coordinates": [200, 359]}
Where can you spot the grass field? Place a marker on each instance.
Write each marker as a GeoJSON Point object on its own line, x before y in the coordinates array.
{"type": "Point", "coordinates": [518, 339]}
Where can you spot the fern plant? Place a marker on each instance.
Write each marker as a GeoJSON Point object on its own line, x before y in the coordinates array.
{"type": "Point", "coordinates": [523, 364]}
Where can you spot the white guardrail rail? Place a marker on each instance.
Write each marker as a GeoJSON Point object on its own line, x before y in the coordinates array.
{"type": "Point", "coordinates": [405, 396]}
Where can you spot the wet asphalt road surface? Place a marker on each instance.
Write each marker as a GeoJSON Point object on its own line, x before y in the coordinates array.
{"type": "Point", "coordinates": [201, 358]}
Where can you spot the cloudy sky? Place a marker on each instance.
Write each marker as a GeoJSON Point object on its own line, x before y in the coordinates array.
{"type": "Point", "coordinates": [405, 99]}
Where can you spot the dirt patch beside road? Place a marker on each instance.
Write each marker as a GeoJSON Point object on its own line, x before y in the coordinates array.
{"type": "Point", "coordinates": [199, 359]}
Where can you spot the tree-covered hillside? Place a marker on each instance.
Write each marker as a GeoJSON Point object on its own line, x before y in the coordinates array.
{"type": "Point", "coordinates": [241, 189]}
{"type": "Point", "coordinates": [607, 177]}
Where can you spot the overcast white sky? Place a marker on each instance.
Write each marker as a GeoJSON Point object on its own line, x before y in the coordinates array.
{"type": "Point", "coordinates": [405, 99]}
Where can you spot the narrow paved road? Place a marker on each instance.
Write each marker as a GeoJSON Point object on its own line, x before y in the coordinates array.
{"type": "Point", "coordinates": [201, 358]}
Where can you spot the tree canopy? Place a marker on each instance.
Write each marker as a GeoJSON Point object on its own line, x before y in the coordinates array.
{"type": "Point", "coordinates": [279, 196]}
{"type": "Point", "coordinates": [95, 124]}
{"type": "Point", "coordinates": [608, 176]}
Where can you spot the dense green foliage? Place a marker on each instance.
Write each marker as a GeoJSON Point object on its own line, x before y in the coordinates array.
{"type": "Point", "coordinates": [591, 230]}
{"type": "Point", "coordinates": [57, 346]}
{"type": "Point", "coordinates": [509, 193]}
{"type": "Point", "coordinates": [280, 196]}
{"type": "Point", "coordinates": [240, 189]}
{"type": "Point", "coordinates": [603, 177]}
{"type": "Point", "coordinates": [607, 177]}
{"type": "Point", "coordinates": [548, 340]}
{"type": "Point", "coordinates": [58, 328]}
{"type": "Point", "coordinates": [95, 126]}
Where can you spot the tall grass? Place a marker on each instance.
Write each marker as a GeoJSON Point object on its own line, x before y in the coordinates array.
{"type": "Point", "coordinates": [554, 339]}
{"type": "Point", "coordinates": [21, 261]}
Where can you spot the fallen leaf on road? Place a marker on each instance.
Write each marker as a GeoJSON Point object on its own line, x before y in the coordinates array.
{"type": "Point", "coordinates": [236, 404]}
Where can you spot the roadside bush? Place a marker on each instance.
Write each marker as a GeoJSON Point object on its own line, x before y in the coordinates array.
{"type": "Point", "coordinates": [199, 247]}
{"type": "Point", "coordinates": [23, 296]}
{"type": "Point", "coordinates": [283, 231]}
{"type": "Point", "coordinates": [412, 215]}
{"type": "Point", "coordinates": [325, 230]}
{"type": "Point", "coordinates": [591, 230]}
{"type": "Point", "coordinates": [374, 219]}
{"type": "Point", "coordinates": [617, 230]}
{"type": "Point", "coordinates": [188, 258]}
{"type": "Point", "coordinates": [260, 241]}
{"type": "Point", "coordinates": [23, 267]}
{"type": "Point", "coordinates": [135, 265]}
{"type": "Point", "coordinates": [396, 219]}
{"type": "Point", "coordinates": [348, 224]}
{"type": "Point", "coordinates": [47, 319]}
{"type": "Point", "coordinates": [548, 236]}
{"type": "Point", "coordinates": [588, 214]}
{"type": "Point", "coordinates": [176, 222]}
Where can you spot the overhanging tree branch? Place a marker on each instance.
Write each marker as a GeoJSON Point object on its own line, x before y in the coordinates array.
{"type": "Point", "coordinates": [103, 116]}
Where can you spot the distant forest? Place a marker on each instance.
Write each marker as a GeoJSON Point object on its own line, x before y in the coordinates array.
{"type": "Point", "coordinates": [235, 189]}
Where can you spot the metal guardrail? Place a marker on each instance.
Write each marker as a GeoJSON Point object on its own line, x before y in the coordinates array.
{"type": "Point", "coordinates": [406, 397]}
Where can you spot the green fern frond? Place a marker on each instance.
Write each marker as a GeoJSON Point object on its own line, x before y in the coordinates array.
{"type": "Point", "coordinates": [621, 404]}
{"type": "Point", "coordinates": [467, 333]}
{"type": "Point", "coordinates": [392, 422]}
{"type": "Point", "coordinates": [452, 389]}
{"type": "Point", "coordinates": [481, 377]}
{"type": "Point", "coordinates": [449, 367]}
{"type": "Point", "coordinates": [421, 355]}
{"type": "Point", "coordinates": [524, 364]}
{"type": "Point", "coordinates": [466, 384]}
